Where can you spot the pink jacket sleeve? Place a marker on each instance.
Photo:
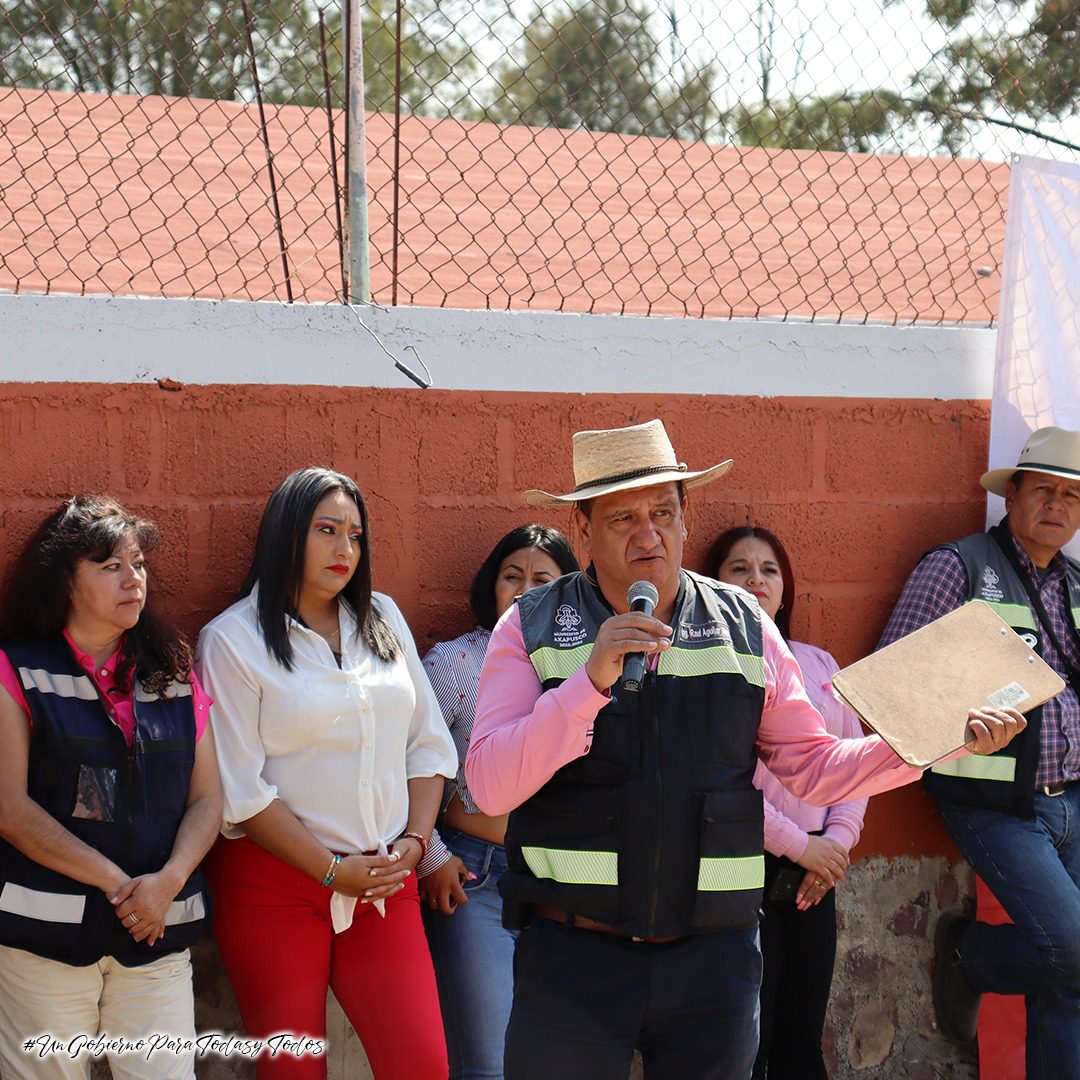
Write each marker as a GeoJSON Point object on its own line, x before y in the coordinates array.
{"type": "Point", "coordinates": [522, 736]}
{"type": "Point", "coordinates": [798, 750]}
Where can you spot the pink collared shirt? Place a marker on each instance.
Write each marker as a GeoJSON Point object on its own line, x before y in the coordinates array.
{"type": "Point", "coordinates": [119, 705]}
{"type": "Point", "coordinates": [523, 735]}
{"type": "Point", "coordinates": [789, 821]}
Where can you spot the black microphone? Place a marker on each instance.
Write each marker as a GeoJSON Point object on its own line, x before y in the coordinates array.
{"type": "Point", "coordinates": [641, 596]}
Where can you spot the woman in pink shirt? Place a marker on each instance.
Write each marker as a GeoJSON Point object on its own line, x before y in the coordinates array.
{"type": "Point", "coordinates": [806, 846]}
{"type": "Point", "coordinates": [109, 799]}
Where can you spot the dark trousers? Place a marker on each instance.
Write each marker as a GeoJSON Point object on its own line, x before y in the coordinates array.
{"type": "Point", "coordinates": [583, 1001]}
{"type": "Point", "coordinates": [798, 950]}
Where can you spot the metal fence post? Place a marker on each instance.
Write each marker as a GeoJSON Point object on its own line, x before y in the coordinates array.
{"type": "Point", "coordinates": [359, 268]}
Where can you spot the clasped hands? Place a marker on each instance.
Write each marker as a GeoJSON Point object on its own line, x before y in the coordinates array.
{"type": "Point", "coordinates": [377, 877]}
{"type": "Point", "coordinates": [141, 903]}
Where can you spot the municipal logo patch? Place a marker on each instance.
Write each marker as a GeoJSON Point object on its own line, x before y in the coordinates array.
{"type": "Point", "coordinates": [989, 589]}
{"type": "Point", "coordinates": [568, 636]}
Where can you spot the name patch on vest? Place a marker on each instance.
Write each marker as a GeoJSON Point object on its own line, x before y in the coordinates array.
{"type": "Point", "coordinates": [568, 636]}
{"type": "Point", "coordinates": [710, 631]}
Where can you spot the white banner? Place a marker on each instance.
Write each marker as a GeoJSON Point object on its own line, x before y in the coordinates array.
{"type": "Point", "coordinates": [1037, 368]}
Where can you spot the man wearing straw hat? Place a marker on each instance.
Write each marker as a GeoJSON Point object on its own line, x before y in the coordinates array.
{"type": "Point", "coordinates": [1016, 815]}
{"type": "Point", "coordinates": [635, 837]}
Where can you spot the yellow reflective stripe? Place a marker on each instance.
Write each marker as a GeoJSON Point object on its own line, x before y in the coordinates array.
{"type": "Point", "coordinates": [550, 663]}
{"type": "Point", "coordinates": [978, 767]}
{"type": "Point", "coordinates": [731, 875]}
{"type": "Point", "coordinates": [1013, 614]}
{"type": "Point", "coordinates": [712, 660]}
{"type": "Point", "coordinates": [573, 867]}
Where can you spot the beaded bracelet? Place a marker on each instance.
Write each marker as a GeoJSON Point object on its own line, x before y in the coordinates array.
{"type": "Point", "coordinates": [419, 839]}
{"type": "Point", "coordinates": [332, 871]}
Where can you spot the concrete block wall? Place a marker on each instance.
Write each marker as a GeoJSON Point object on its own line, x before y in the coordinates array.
{"type": "Point", "coordinates": [168, 414]}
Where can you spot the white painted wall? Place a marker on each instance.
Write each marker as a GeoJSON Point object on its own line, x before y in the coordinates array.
{"type": "Point", "coordinates": [125, 339]}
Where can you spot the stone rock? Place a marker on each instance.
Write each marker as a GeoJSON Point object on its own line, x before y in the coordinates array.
{"type": "Point", "coordinates": [911, 919]}
{"type": "Point", "coordinates": [872, 1035]}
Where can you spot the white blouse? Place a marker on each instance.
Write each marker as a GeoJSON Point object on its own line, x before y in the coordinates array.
{"type": "Point", "coordinates": [336, 745]}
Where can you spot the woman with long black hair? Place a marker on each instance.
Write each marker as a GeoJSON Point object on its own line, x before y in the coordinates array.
{"type": "Point", "coordinates": [472, 950]}
{"type": "Point", "coordinates": [333, 755]}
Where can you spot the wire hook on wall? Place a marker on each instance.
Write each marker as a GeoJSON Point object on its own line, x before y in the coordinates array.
{"type": "Point", "coordinates": [423, 381]}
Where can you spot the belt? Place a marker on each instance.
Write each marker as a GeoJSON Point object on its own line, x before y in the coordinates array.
{"type": "Point", "coordinates": [1054, 790]}
{"type": "Point", "coordinates": [583, 922]}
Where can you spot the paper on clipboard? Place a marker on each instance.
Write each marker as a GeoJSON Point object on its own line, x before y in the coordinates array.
{"type": "Point", "coordinates": [916, 693]}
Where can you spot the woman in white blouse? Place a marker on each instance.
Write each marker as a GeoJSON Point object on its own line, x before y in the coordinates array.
{"type": "Point", "coordinates": [333, 753]}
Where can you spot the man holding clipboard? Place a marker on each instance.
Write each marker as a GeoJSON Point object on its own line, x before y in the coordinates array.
{"type": "Point", "coordinates": [634, 845]}
{"type": "Point", "coordinates": [1015, 815]}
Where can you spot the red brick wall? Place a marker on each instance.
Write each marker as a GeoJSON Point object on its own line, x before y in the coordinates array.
{"type": "Point", "coordinates": [856, 488]}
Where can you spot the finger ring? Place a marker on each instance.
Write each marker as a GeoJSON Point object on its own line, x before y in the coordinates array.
{"type": "Point", "coordinates": [133, 917]}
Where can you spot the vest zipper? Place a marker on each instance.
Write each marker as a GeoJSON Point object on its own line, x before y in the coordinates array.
{"type": "Point", "coordinates": [649, 688]}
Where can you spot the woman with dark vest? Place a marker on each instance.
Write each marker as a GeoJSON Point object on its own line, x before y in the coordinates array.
{"type": "Point", "coordinates": [806, 846]}
{"type": "Point", "coordinates": [333, 755]}
{"type": "Point", "coordinates": [472, 950]}
{"type": "Point", "coordinates": [109, 799]}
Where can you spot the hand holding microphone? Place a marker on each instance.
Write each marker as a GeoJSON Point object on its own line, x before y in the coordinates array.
{"type": "Point", "coordinates": [623, 636]}
{"type": "Point", "coordinates": [643, 597]}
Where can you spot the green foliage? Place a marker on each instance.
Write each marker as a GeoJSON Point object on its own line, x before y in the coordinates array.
{"type": "Point", "coordinates": [190, 48]}
{"type": "Point", "coordinates": [437, 68]}
{"type": "Point", "coordinates": [599, 66]}
{"type": "Point", "coordinates": [1016, 57]}
{"type": "Point", "coordinates": [853, 123]}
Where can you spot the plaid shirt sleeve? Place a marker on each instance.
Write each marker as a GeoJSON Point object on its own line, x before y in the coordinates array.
{"type": "Point", "coordinates": [936, 586]}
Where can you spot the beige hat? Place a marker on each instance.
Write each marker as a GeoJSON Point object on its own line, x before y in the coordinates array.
{"type": "Point", "coordinates": [1050, 450]}
{"type": "Point", "coordinates": [620, 459]}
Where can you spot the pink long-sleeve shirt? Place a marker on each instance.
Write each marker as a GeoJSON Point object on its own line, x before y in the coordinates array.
{"type": "Point", "coordinates": [789, 821]}
{"type": "Point", "coordinates": [522, 735]}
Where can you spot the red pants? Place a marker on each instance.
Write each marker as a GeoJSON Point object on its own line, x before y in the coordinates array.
{"type": "Point", "coordinates": [273, 929]}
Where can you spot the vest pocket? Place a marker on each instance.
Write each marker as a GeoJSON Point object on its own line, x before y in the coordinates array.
{"type": "Point", "coordinates": [731, 863]}
{"type": "Point", "coordinates": [721, 723]}
{"type": "Point", "coordinates": [95, 793]}
{"type": "Point", "coordinates": [566, 853]}
{"type": "Point", "coordinates": [615, 752]}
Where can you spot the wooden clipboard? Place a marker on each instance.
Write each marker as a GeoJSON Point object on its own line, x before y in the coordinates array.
{"type": "Point", "coordinates": [916, 692]}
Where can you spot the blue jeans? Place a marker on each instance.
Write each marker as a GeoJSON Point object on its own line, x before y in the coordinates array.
{"type": "Point", "coordinates": [474, 964]}
{"type": "Point", "coordinates": [1032, 866]}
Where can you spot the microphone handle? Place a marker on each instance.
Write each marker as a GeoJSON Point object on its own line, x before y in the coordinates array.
{"type": "Point", "coordinates": [633, 672]}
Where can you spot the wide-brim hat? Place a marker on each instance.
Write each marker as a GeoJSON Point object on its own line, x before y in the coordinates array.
{"type": "Point", "coordinates": [620, 459]}
{"type": "Point", "coordinates": [1050, 450]}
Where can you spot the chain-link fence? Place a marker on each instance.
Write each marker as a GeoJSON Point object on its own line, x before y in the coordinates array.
{"type": "Point", "coordinates": [840, 160]}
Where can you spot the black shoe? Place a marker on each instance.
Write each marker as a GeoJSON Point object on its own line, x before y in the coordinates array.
{"type": "Point", "coordinates": [956, 1002]}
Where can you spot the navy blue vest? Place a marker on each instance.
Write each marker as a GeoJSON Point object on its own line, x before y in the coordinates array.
{"type": "Point", "coordinates": [1005, 780]}
{"type": "Point", "coordinates": [657, 831]}
{"type": "Point", "coordinates": [127, 804]}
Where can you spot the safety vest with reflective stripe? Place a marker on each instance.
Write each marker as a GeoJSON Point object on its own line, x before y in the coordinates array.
{"type": "Point", "coordinates": [1005, 780]}
{"type": "Point", "coordinates": [657, 830]}
{"type": "Point", "coordinates": [125, 803]}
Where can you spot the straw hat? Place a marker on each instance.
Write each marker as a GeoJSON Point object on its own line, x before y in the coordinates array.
{"type": "Point", "coordinates": [1050, 450]}
{"type": "Point", "coordinates": [620, 459]}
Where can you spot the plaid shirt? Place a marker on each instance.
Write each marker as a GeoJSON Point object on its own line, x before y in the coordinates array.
{"type": "Point", "coordinates": [939, 585]}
